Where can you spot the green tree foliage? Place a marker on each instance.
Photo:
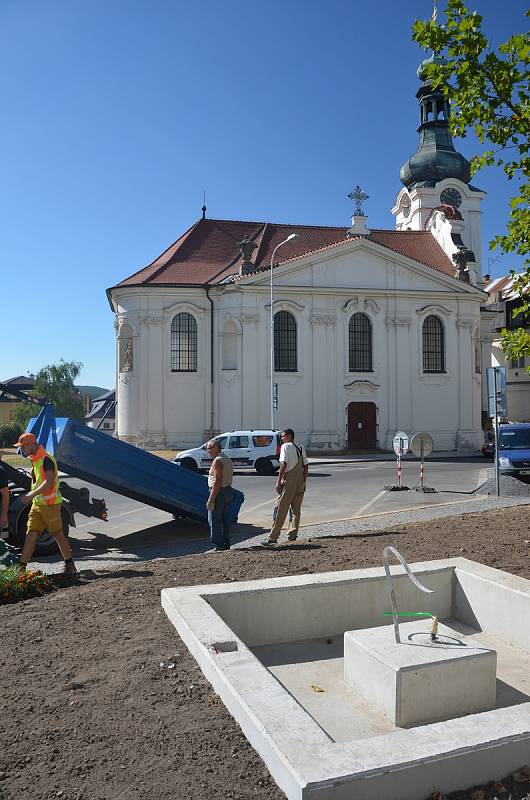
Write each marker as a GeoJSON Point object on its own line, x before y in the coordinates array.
{"type": "Point", "coordinates": [9, 433]}
{"type": "Point", "coordinates": [489, 92]}
{"type": "Point", "coordinates": [55, 382]}
{"type": "Point", "coordinates": [23, 413]}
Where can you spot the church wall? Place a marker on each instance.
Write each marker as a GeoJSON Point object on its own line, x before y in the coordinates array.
{"type": "Point", "coordinates": [158, 407]}
{"type": "Point", "coordinates": [161, 408]}
{"type": "Point", "coordinates": [436, 396]}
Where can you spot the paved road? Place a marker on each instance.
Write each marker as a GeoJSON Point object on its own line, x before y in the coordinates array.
{"type": "Point", "coordinates": [345, 490]}
{"type": "Point", "coordinates": [335, 492]}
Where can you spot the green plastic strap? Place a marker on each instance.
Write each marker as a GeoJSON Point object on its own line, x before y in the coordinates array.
{"type": "Point", "coordinates": [409, 614]}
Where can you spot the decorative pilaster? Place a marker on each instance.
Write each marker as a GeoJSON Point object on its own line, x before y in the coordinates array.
{"type": "Point", "coordinates": [249, 318]}
{"type": "Point", "coordinates": [151, 320]}
{"type": "Point", "coordinates": [400, 402]}
{"type": "Point", "coordinates": [323, 319]}
{"type": "Point", "coordinates": [398, 322]}
{"type": "Point", "coordinates": [323, 377]}
{"type": "Point", "coordinates": [466, 435]}
{"type": "Point", "coordinates": [152, 369]}
{"type": "Point", "coordinates": [254, 393]}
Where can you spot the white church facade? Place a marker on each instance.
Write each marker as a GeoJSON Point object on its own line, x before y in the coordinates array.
{"type": "Point", "coordinates": [374, 330]}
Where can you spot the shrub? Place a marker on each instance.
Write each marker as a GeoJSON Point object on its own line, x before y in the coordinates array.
{"type": "Point", "coordinates": [9, 433]}
{"type": "Point", "coordinates": [17, 584]}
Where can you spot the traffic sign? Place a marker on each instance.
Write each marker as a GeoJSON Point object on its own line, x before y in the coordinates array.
{"type": "Point", "coordinates": [496, 380]}
{"type": "Point", "coordinates": [400, 443]}
{"type": "Point", "coordinates": [422, 445]}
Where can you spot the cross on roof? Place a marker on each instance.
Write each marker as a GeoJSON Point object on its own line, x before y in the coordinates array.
{"type": "Point", "coordinates": [358, 196]}
{"type": "Point", "coordinates": [434, 13]}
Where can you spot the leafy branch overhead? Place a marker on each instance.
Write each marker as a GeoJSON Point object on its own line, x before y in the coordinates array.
{"type": "Point", "coordinates": [489, 93]}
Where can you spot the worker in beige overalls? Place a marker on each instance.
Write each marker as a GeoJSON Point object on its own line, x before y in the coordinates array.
{"type": "Point", "coordinates": [290, 486]}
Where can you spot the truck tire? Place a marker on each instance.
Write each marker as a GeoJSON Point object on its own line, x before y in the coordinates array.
{"type": "Point", "coordinates": [189, 463]}
{"type": "Point", "coordinates": [46, 544]}
{"type": "Point", "coordinates": [264, 467]}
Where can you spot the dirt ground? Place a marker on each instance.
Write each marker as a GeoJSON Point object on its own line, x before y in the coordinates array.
{"type": "Point", "coordinates": [88, 712]}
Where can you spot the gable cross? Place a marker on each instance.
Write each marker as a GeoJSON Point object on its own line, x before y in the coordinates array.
{"type": "Point", "coordinates": [358, 196]}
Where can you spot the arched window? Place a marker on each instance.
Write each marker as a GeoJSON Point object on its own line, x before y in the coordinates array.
{"type": "Point", "coordinates": [433, 344]}
{"type": "Point", "coordinates": [183, 343]}
{"type": "Point", "coordinates": [360, 343]}
{"type": "Point", "coordinates": [229, 354]}
{"type": "Point", "coordinates": [284, 342]}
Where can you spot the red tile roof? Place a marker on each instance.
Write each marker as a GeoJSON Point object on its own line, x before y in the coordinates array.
{"type": "Point", "coordinates": [208, 252]}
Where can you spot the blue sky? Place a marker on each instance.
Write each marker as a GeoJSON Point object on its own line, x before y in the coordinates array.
{"type": "Point", "coordinates": [118, 113]}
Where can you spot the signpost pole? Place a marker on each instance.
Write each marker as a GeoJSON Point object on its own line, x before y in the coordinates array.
{"type": "Point", "coordinates": [496, 398]}
{"type": "Point", "coordinates": [422, 445]}
{"type": "Point", "coordinates": [400, 445]}
{"type": "Point", "coordinates": [496, 377]}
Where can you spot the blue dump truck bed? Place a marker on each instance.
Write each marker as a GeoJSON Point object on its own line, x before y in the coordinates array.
{"type": "Point", "coordinates": [98, 458]}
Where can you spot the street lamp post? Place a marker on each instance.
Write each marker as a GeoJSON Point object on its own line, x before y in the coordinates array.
{"type": "Point", "coordinates": [289, 239]}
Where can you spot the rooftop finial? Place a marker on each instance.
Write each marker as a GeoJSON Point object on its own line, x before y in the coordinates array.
{"type": "Point", "coordinates": [358, 196]}
{"type": "Point", "coordinates": [247, 248]}
{"type": "Point", "coordinates": [204, 203]}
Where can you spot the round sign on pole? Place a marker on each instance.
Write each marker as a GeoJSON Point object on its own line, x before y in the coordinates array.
{"type": "Point", "coordinates": [422, 445]}
{"type": "Point", "coordinates": [400, 443]}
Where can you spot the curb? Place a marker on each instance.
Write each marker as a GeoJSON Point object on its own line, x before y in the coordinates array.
{"type": "Point", "coordinates": [386, 457]}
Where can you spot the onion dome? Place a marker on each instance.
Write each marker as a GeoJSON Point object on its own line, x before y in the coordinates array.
{"type": "Point", "coordinates": [436, 157]}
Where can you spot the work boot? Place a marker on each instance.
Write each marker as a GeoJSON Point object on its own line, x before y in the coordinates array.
{"type": "Point", "coordinates": [69, 570]}
{"type": "Point", "coordinates": [268, 542]}
{"type": "Point", "coordinates": [292, 537]}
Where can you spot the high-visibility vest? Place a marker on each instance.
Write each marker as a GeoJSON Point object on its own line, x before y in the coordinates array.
{"type": "Point", "coordinates": [51, 497]}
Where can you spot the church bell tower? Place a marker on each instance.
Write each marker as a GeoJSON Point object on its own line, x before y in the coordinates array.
{"type": "Point", "coordinates": [437, 177]}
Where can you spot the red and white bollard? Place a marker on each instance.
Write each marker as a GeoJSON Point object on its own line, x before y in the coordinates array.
{"type": "Point", "coordinates": [422, 475]}
{"type": "Point", "coordinates": [399, 472]}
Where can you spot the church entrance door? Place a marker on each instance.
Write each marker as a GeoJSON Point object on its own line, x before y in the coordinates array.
{"type": "Point", "coordinates": [361, 425]}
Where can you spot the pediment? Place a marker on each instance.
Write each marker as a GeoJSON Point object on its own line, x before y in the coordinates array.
{"type": "Point", "coordinates": [361, 264]}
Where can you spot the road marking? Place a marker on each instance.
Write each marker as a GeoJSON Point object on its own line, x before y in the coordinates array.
{"type": "Point", "coordinates": [260, 505]}
{"type": "Point", "coordinates": [330, 468]}
{"type": "Point", "coordinates": [483, 476]}
{"type": "Point", "coordinates": [115, 516]}
{"type": "Point", "coordinates": [371, 502]}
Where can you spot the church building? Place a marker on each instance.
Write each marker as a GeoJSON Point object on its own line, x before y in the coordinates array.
{"type": "Point", "coordinates": [375, 331]}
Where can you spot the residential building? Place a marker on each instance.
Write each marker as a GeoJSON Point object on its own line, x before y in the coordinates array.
{"type": "Point", "coordinates": [502, 302]}
{"type": "Point", "coordinates": [9, 404]}
{"type": "Point", "coordinates": [102, 413]}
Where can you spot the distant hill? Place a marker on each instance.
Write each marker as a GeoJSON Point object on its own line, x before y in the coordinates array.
{"type": "Point", "coordinates": [93, 391]}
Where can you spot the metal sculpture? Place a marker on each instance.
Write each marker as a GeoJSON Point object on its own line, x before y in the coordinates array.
{"type": "Point", "coordinates": [395, 614]}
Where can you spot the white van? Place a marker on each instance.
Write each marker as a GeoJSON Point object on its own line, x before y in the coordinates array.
{"type": "Point", "coordinates": [258, 449]}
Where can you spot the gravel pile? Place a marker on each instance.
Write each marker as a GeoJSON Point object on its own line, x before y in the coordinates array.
{"type": "Point", "coordinates": [509, 487]}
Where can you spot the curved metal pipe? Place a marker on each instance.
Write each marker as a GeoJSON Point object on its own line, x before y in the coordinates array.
{"type": "Point", "coordinates": [386, 553]}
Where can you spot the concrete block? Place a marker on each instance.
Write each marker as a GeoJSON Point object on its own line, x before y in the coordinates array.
{"type": "Point", "coordinates": [417, 681]}
{"type": "Point", "coordinates": [302, 756]}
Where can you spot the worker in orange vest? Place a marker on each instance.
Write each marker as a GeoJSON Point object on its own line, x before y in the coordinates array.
{"type": "Point", "coordinates": [46, 502]}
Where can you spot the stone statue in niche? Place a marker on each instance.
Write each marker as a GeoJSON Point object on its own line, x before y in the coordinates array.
{"type": "Point", "coordinates": [128, 357]}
